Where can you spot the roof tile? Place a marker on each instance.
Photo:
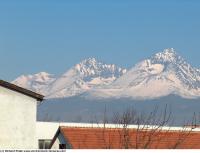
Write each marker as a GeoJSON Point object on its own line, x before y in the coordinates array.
{"type": "Point", "coordinates": [118, 138]}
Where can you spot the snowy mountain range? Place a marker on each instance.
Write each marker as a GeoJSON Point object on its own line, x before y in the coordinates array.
{"type": "Point", "coordinates": [163, 74]}
{"type": "Point", "coordinates": [80, 78]}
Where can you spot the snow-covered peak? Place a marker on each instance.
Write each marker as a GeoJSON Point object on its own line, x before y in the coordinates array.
{"type": "Point", "coordinates": [168, 55]}
{"type": "Point", "coordinates": [93, 68]}
{"type": "Point", "coordinates": [43, 74]}
{"type": "Point", "coordinates": [89, 61]}
{"type": "Point", "coordinates": [167, 60]}
{"type": "Point", "coordinates": [39, 77]}
{"type": "Point", "coordinates": [163, 74]}
{"type": "Point", "coordinates": [84, 76]}
{"type": "Point", "coordinates": [169, 51]}
{"type": "Point", "coordinates": [87, 66]}
{"type": "Point", "coordinates": [37, 82]}
{"type": "Point", "coordinates": [88, 74]}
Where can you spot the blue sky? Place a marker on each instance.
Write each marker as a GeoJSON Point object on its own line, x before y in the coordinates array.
{"type": "Point", "coordinates": [53, 35]}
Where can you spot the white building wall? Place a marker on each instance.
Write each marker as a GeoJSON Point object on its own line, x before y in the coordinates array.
{"type": "Point", "coordinates": [17, 120]}
{"type": "Point", "coordinates": [46, 130]}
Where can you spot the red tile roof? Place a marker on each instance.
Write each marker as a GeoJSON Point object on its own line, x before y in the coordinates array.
{"type": "Point", "coordinates": [118, 138]}
{"type": "Point", "coordinates": [21, 90]}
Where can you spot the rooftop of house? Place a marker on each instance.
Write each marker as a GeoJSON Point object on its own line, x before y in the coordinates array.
{"type": "Point", "coordinates": [21, 90]}
{"type": "Point", "coordinates": [120, 138]}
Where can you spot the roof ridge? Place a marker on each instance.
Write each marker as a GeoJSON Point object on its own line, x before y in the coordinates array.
{"type": "Point", "coordinates": [24, 91]}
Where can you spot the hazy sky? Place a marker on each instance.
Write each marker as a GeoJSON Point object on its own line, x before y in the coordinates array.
{"type": "Point", "coordinates": [53, 35]}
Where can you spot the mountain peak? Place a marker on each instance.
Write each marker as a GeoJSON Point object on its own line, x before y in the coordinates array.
{"type": "Point", "coordinates": [93, 67]}
{"type": "Point", "coordinates": [88, 74]}
{"type": "Point", "coordinates": [169, 51]}
{"type": "Point", "coordinates": [90, 61]}
{"type": "Point", "coordinates": [87, 63]}
{"type": "Point", "coordinates": [44, 74]}
{"type": "Point", "coordinates": [168, 55]}
{"type": "Point", "coordinates": [164, 73]}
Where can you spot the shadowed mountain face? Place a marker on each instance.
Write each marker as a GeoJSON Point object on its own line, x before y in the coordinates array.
{"type": "Point", "coordinates": [78, 109]}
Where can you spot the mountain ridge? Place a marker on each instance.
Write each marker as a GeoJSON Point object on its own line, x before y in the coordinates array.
{"type": "Point", "coordinates": [163, 74]}
{"type": "Point", "coordinates": [81, 77]}
{"type": "Point", "coordinates": [160, 75]}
